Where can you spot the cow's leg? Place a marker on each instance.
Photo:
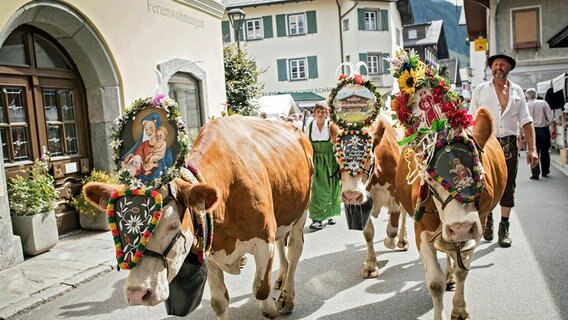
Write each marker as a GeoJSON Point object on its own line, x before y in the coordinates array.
{"type": "Point", "coordinates": [434, 275]}
{"type": "Point", "coordinates": [450, 277]}
{"type": "Point", "coordinates": [392, 229]}
{"type": "Point", "coordinates": [295, 249]}
{"type": "Point", "coordinates": [263, 257]}
{"type": "Point", "coordinates": [282, 270]}
{"type": "Point", "coordinates": [459, 310]}
{"type": "Point", "coordinates": [371, 268]}
{"type": "Point", "coordinates": [402, 238]}
{"type": "Point", "coordinates": [219, 293]}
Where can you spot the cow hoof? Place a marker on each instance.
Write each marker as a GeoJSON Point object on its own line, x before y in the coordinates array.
{"type": "Point", "coordinates": [243, 261]}
{"type": "Point", "coordinates": [461, 317]}
{"type": "Point", "coordinates": [285, 305]}
{"type": "Point", "coordinates": [403, 244]}
{"type": "Point", "coordinates": [270, 316]}
{"type": "Point", "coordinates": [451, 285]}
{"type": "Point", "coordinates": [278, 283]}
{"type": "Point", "coordinates": [368, 274]}
{"type": "Point", "coordinates": [269, 308]}
{"type": "Point", "coordinates": [390, 242]}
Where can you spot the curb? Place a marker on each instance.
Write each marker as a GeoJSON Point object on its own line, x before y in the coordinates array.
{"type": "Point", "coordinates": [38, 298]}
{"type": "Point", "coordinates": [560, 166]}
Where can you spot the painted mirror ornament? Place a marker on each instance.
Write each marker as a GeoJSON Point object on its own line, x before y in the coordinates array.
{"type": "Point", "coordinates": [149, 142]}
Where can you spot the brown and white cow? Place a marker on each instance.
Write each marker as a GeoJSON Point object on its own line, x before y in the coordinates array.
{"type": "Point", "coordinates": [377, 182]}
{"type": "Point", "coordinates": [257, 177]}
{"type": "Point", "coordinates": [451, 220]}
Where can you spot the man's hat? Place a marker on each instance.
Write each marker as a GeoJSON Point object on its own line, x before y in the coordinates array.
{"type": "Point", "coordinates": [511, 61]}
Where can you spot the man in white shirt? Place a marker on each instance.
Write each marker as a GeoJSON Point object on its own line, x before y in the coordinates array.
{"type": "Point", "coordinates": [542, 120]}
{"type": "Point", "coordinates": [506, 102]}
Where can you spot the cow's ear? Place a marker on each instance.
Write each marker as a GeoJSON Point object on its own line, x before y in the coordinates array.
{"type": "Point", "coordinates": [333, 131]}
{"type": "Point", "coordinates": [98, 193]}
{"type": "Point", "coordinates": [483, 127]}
{"type": "Point", "coordinates": [377, 131]}
{"type": "Point", "coordinates": [191, 196]}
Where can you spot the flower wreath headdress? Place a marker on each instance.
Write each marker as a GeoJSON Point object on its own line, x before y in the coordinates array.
{"type": "Point", "coordinates": [354, 104]}
{"type": "Point", "coordinates": [433, 117]}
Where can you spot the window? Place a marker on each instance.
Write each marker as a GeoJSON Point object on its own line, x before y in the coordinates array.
{"type": "Point", "coordinates": [345, 24]}
{"type": "Point", "coordinates": [48, 116]}
{"type": "Point", "coordinates": [296, 24]}
{"type": "Point", "coordinates": [185, 89]}
{"type": "Point", "coordinates": [377, 63]}
{"type": "Point", "coordinates": [526, 28]}
{"type": "Point", "coordinates": [373, 64]}
{"type": "Point", "coordinates": [370, 20]}
{"type": "Point", "coordinates": [412, 34]}
{"type": "Point", "coordinates": [297, 69]}
{"type": "Point", "coordinates": [347, 58]}
{"type": "Point", "coordinates": [253, 29]}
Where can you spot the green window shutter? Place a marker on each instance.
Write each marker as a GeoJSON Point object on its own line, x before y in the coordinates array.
{"type": "Point", "coordinates": [282, 70]}
{"type": "Point", "coordinates": [226, 31]}
{"type": "Point", "coordinates": [363, 58]}
{"type": "Point", "coordinates": [267, 26]}
{"type": "Point", "coordinates": [361, 18]}
{"type": "Point", "coordinates": [384, 20]}
{"type": "Point", "coordinates": [312, 22]}
{"type": "Point", "coordinates": [386, 63]}
{"type": "Point", "coordinates": [281, 25]}
{"type": "Point", "coordinates": [312, 67]}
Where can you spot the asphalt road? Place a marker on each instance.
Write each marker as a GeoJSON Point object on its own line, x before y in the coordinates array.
{"type": "Point", "coordinates": [527, 281]}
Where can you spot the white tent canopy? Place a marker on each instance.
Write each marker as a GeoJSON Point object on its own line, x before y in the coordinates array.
{"type": "Point", "coordinates": [277, 105]}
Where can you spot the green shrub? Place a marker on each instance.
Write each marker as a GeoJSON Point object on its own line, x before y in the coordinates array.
{"type": "Point", "coordinates": [32, 191]}
{"type": "Point", "coordinates": [80, 203]}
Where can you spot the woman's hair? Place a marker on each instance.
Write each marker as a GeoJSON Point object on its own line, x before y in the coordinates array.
{"type": "Point", "coordinates": [320, 105]}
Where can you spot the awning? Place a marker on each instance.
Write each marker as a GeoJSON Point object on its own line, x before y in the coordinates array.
{"type": "Point", "coordinates": [277, 105]}
{"type": "Point", "coordinates": [560, 39]}
{"type": "Point", "coordinates": [306, 100]}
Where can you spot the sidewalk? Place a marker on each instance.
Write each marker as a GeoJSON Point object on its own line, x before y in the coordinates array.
{"type": "Point", "coordinates": [77, 259]}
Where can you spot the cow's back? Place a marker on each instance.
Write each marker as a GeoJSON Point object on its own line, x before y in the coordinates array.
{"type": "Point", "coordinates": [259, 166]}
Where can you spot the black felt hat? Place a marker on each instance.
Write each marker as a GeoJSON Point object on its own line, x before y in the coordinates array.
{"type": "Point", "coordinates": [511, 61]}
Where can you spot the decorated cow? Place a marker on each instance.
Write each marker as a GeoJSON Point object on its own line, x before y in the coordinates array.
{"type": "Point", "coordinates": [180, 218]}
{"type": "Point", "coordinates": [449, 176]}
{"type": "Point", "coordinates": [367, 153]}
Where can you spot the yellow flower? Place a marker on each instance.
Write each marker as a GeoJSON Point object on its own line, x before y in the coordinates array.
{"type": "Point", "coordinates": [407, 81]}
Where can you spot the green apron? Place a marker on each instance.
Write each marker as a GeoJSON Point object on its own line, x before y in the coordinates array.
{"type": "Point", "coordinates": [325, 203]}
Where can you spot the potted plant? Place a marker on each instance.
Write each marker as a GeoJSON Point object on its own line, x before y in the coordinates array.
{"type": "Point", "coordinates": [91, 218]}
{"type": "Point", "coordinates": [32, 197]}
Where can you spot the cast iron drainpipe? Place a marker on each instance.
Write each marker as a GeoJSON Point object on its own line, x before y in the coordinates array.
{"type": "Point", "coordinates": [340, 26]}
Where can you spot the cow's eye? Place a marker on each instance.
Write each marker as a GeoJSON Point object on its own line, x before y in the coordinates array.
{"type": "Point", "coordinates": [174, 225]}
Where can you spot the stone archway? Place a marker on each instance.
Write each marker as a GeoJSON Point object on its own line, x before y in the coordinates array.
{"type": "Point", "coordinates": [100, 78]}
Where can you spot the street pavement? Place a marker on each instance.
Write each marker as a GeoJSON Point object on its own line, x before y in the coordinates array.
{"type": "Point", "coordinates": [531, 283]}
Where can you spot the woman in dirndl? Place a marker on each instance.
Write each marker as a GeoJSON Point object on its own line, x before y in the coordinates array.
{"type": "Point", "coordinates": [325, 202]}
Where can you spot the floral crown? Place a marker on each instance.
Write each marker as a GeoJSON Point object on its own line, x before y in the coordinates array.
{"type": "Point", "coordinates": [426, 104]}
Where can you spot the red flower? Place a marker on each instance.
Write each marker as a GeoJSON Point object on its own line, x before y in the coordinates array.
{"type": "Point", "coordinates": [358, 79]}
{"type": "Point", "coordinates": [461, 118]}
{"type": "Point", "coordinates": [342, 76]}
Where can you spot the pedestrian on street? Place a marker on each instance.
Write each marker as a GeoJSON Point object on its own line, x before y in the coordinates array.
{"type": "Point", "coordinates": [542, 120]}
{"type": "Point", "coordinates": [325, 202]}
{"type": "Point", "coordinates": [506, 102]}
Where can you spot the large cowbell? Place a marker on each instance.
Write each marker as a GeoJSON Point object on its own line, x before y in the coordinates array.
{"type": "Point", "coordinates": [455, 165]}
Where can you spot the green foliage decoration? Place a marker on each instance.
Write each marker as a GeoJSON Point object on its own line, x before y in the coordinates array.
{"type": "Point", "coordinates": [32, 191]}
{"type": "Point", "coordinates": [241, 82]}
{"type": "Point", "coordinates": [80, 202]}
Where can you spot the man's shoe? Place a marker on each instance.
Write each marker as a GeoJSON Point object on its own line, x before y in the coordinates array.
{"type": "Point", "coordinates": [331, 221]}
{"type": "Point", "coordinates": [488, 234]}
{"type": "Point", "coordinates": [316, 225]}
{"type": "Point", "coordinates": [534, 177]}
{"type": "Point", "coordinates": [545, 175]}
{"type": "Point", "coordinates": [504, 240]}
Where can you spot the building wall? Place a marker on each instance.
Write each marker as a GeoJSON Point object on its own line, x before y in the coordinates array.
{"type": "Point", "coordinates": [115, 45]}
{"type": "Point", "coordinates": [325, 44]}
{"type": "Point", "coordinates": [533, 65]}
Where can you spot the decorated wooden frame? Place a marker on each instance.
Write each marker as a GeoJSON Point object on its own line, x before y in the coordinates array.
{"type": "Point", "coordinates": [149, 142]}
{"type": "Point", "coordinates": [353, 148]}
{"type": "Point", "coordinates": [132, 216]}
{"type": "Point", "coordinates": [354, 102]}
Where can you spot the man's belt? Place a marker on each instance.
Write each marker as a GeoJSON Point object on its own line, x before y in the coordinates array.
{"type": "Point", "coordinates": [507, 139]}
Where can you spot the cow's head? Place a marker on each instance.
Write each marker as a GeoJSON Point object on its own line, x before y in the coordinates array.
{"type": "Point", "coordinates": [454, 179]}
{"type": "Point", "coordinates": [171, 242]}
{"type": "Point", "coordinates": [356, 154]}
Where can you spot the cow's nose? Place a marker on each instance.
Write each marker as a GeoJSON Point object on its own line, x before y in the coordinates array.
{"type": "Point", "coordinates": [460, 231]}
{"type": "Point", "coordinates": [138, 296]}
{"type": "Point", "coordinates": [352, 197]}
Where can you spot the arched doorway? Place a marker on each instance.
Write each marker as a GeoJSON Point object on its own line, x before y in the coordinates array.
{"type": "Point", "coordinates": [43, 113]}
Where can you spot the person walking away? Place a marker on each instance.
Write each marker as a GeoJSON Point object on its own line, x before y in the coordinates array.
{"type": "Point", "coordinates": [542, 120]}
{"type": "Point", "coordinates": [325, 200]}
{"type": "Point", "coordinates": [506, 102]}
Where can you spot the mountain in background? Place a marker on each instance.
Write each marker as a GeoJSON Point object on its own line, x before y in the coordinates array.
{"type": "Point", "coordinates": [428, 10]}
